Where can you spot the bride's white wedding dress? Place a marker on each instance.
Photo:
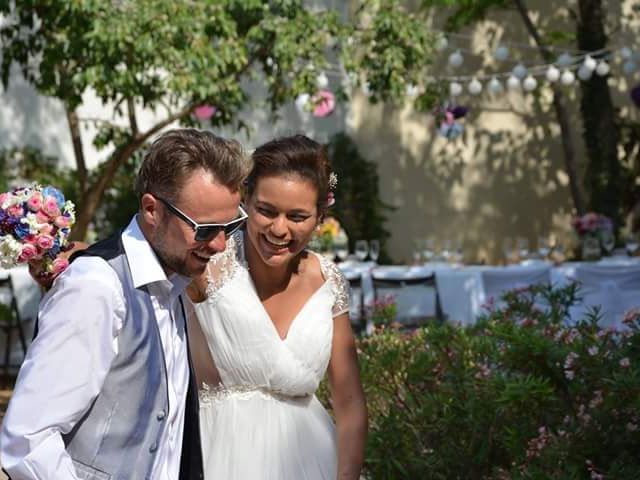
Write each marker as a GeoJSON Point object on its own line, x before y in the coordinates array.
{"type": "Point", "coordinates": [264, 421]}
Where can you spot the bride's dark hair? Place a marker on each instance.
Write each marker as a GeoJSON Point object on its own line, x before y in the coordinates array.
{"type": "Point", "coordinates": [295, 155]}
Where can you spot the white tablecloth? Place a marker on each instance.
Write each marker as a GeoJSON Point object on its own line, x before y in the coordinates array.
{"type": "Point", "coordinates": [461, 290]}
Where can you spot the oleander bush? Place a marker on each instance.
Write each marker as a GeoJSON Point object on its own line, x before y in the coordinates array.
{"type": "Point", "coordinates": [519, 395]}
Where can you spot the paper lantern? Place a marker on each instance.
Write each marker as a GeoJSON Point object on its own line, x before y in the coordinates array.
{"type": "Point", "coordinates": [629, 67]}
{"type": "Point", "coordinates": [567, 77]}
{"type": "Point", "coordinates": [603, 68]}
{"type": "Point", "coordinates": [519, 71]}
{"type": "Point", "coordinates": [442, 43]}
{"type": "Point", "coordinates": [322, 81]}
{"type": "Point", "coordinates": [626, 52]}
{"type": "Point", "coordinates": [501, 53]}
{"type": "Point", "coordinates": [495, 86]}
{"type": "Point", "coordinates": [564, 60]}
{"type": "Point", "coordinates": [529, 83]}
{"type": "Point", "coordinates": [513, 83]}
{"type": "Point", "coordinates": [412, 90]}
{"type": "Point", "coordinates": [455, 89]}
{"type": "Point", "coordinates": [589, 63]}
{"type": "Point", "coordinates": [301, 102]}
{"type": "Point", "coordinates": [456, 59]}
{"type": "Point", "coordinates": [475, 87]}
{"type": "Point", "coordinates": [584, 73]}
{"type": "Point", "coordinates": [553, 74]}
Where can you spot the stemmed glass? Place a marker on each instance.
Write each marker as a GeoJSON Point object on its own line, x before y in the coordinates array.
{"type": "Point", "coordinates": [361, 249]}
{"type": "Point", "coordinates": [523, 248]}
{"type": "Point", "coordinates": [544, 247]}
{"type": "Point", "coordinates": [507, 249]}
{"type": "Point", "coordinates": [632, 242]}
{"type": "Point", "coordinates": [608, 241]}
{"type": "Point", "coordinates": [428, 249]}
{"type": "Point", "coordinates": [446, 250]}
{"type": "Point", "coordinates": [341, 246]}
{"type": "Point", "coordinates": [374, 250]}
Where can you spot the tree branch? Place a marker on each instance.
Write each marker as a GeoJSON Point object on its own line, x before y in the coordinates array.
{"type": "Point", "coordinates": [76, 140]}
{"type": "Point", "coordinates": [133, 122]}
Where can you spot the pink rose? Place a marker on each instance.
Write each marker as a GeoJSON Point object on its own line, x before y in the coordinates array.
{"type": "Point", "coordinates": [45, 242]}
{"type": "Point", "coordinates": [46, 229]}
{"type": "Point", "coordinates": [16, 211]}
{"type": "Point", "coordinates": [35, 202]}
{"type": "Point", "coordinates": [42, 217]}
{"type": "Point", "coordinates": [61, 221]}
{"type": "Point", "coordinates": [29, 252]}
{"type": "Point", "coordinates": [3, 197]}
{"type": "Point", "coordinates": [50, 207]}
{"type": "Point", "coordinates": [58, 266]}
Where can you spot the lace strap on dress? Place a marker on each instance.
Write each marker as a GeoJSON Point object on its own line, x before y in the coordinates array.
{"type": "Point", "coordinates": [221, 268]}
{"type": "Point", "coordinates": [339, 285]}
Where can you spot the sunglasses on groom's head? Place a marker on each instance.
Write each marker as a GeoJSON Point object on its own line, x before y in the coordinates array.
{"type": "Point", "coordinates": [207, 231]}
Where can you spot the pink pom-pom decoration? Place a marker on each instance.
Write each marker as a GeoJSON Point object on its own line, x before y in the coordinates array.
{"type": "Point", "coordinates": [204, 112]}
{"type": "Point", "coordinates": [324, 103]}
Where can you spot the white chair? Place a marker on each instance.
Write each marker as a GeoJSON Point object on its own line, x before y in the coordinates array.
{"type": "Point", "coordinates": [356, 301]}
{"type": "Point", "coordinates": [497, 281]}
{"type": "Point", "coordinates": [615, 289]}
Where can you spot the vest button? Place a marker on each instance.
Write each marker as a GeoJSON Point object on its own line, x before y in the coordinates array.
{"type": "Point", "coordinates": [153, 447]}
{"type": "Point", "coordinates": [161, 415]}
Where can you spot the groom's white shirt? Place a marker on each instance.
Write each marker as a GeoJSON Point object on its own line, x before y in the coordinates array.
{"type": "Point", "coordinates": [67, 364]}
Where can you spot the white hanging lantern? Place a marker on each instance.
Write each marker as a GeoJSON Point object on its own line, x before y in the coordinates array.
{"type": "Point", "coordinates": [564, 60]}
{"type": "Point", "coordinates": [322, 81]}
{"type": "Point", "coordinates": [366, 89]}
{"type": "Point", "coordinates": [567, 77]}
{"type": "Point", "coordinates": [455, 89]}
{"type": "Point", "coordinates": [626, 53]}
{"type": "Point", "coordinates": [495, 86]}
{"type": "Point", "coordinates": [456, 59]}
{"type": "Point", "coordinates": [584, 73]}
{"type": "Point", "coordinates": [412, 90]}
{"type": "Point", "coordinates": [474, 87]}
{"type": "Point", "coordinates": [519, 71]}
{"type": "Point", "coordinates": [501, 53]}
{"type": "Point", "coordinates": [629, 67]}
{"type": "Point", "coordinates": [589, 63]}
{"type": "Point", "coordinates": [302, 101]}
{"type": "Point", "coordinates": [553, 74]}
{"type": "Point", "coordinates": [442, 43]}
{"type": "Point", "coordinates": [529, 83]}
{"type": "Point", "coordinates": [513, 83]}
{"type": "Point", "coordinates": [603, 68]}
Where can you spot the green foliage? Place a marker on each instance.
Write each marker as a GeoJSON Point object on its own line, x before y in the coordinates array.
{"type": "Point", "coordinates": [19, 166]}
{"type": "Point", "coordinates": [358, 206]}
{"type": "Point", "coordinates": [520, 395]}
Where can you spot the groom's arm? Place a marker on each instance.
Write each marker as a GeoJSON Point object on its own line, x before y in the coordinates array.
{"type": "Point", "coordinates": [63, 371]}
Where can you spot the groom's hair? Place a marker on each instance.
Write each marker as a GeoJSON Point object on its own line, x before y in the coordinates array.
{"type": "Point", "coordinates": [176, 154]}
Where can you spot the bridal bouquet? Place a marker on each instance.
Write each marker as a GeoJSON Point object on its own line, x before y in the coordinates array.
{"type": "Point", "coordinates": [35, 223]}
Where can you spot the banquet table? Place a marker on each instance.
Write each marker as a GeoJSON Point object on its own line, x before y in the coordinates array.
{"type": "Point", "coordinates": [460, 288]}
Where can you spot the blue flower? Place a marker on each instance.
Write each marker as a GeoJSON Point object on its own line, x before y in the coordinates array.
{"type": "Point", "coordinates": [21, 230]}
{"type": "Point", "coordinates": [55, 193]}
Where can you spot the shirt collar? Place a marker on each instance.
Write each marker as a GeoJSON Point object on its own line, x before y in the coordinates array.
{"type": "Point", "coordinates": [144, 264]}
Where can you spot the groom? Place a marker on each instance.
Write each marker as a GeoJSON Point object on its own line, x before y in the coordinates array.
{"type": "Point", "coordinates": [107, 391]}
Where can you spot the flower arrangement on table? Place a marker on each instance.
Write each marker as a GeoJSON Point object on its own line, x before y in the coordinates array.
{"type": "Point", "coordinates": [325, 235]}
{"type": "Point", "coordinates": [35, 223]}
{"type": "Point", "coordinates": [595, 231]}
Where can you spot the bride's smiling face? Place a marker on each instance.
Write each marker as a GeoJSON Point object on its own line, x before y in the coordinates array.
{"type": "Point", "coordinates": [283, 213]}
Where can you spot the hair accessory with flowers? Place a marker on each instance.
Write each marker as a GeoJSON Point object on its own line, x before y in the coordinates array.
{"type": "Point", "coordinates": [333, 183]}
{"type": "Point", "coordinates": [35, 223]}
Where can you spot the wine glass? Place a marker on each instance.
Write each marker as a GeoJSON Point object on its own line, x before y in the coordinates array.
{"type": "Point", "coordinates": [608, 241]}
{"type": "Point", "coordinates": [374, 250]}
{"type": "Point", "coordinates": [507, 249]}
{"type": "Point", "coordinates": [341, 246]}
{"type": "Point", "coordinates": [632, 242]}
{"type": "Point", "coordinates": [543, 246]}
{"type": "Point", "coordinates": [428, 250]}
{"type": "Point", "coordinates": [458, 252]}
{"type": "Point", "coordinates": [446, 250]}
{"type": "Point", "coordinates": [361, 249]}
{"type": "Point", "coordinates": [523, 248]}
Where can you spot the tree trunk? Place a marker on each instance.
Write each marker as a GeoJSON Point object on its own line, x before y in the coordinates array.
{"type": "Point", "coordinates": [601, 133]}
{"type": "Point", "coordinates": [561, 114]}
{"type": "Point", "coordinates": [76, 140]}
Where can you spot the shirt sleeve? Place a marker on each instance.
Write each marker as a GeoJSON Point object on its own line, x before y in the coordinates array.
{"type": "Point", "coordinates": [64, 369]}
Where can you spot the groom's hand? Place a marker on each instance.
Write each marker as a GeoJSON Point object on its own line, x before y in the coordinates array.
{"type": "Point", "coordinates": [35, 268]}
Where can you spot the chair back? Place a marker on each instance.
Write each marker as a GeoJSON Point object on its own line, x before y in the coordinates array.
{"type": "Point", "coordinates": [416, 296]}
{"type": "Point", "coordinates": [615, 289]}
{"type": "Point", "coordinates": [356, 301]}
{"type": "Point", "coordinates": [9, 313]}
{"type": "Point", "coordinates": [498, 281]}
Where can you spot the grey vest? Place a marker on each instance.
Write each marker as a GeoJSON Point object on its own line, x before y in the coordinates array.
{"type": "Point", "coordinates": [117, 439]}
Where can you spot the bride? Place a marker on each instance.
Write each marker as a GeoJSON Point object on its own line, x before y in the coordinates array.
{"type": "Point", "coordinates": [271, 320]}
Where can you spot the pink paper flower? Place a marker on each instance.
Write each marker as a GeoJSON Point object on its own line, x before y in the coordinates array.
{"type": "Point", "coordinates": [324, 103]}
{"type": "Point", "coordinates": [35, 202]}
{"type": "Point", "coordinates": [44, 242]}
{"type": "Point", "coordinates": [204, 112]}
{"type": "Point", "coordinates": [50, 207]}
{"type": "Point", "coordinates": [29, 252]}
{"type": "Point", "coordinates": [58, 266]}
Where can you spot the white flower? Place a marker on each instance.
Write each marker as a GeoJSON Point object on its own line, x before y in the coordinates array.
{"type": "Point", "coordinates": [593, 351]}
{"type": "Point", "coordinates": [10, 250]}
{"type": "Point", "coordinates": [70, 208]}
{"type": "Point", "coordinates": [31, 220]}
{"type": "Point", "coordinates": [625, 362]}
